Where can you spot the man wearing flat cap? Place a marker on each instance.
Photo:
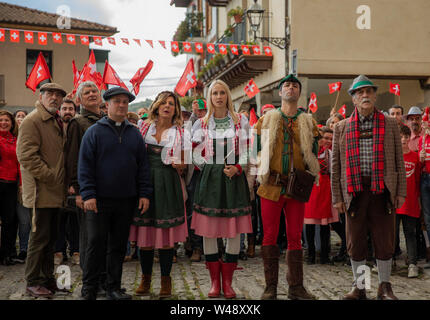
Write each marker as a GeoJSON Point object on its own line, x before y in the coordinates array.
{"type": "Point", "coordinates": [286, 138]}
{"type": "Point", "coordinates": [114, 180]}
{"type": "Point", "coordinates": [40, 152]}
{"type": "Point", "coordinates": [368, 183]}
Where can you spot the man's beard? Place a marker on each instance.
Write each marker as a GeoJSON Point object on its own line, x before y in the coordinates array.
{"type": "Point", "coordinates": [52, 110]}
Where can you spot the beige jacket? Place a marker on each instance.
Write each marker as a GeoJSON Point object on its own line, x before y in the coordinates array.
{"type": "Point", "coordinates": [40, 151]}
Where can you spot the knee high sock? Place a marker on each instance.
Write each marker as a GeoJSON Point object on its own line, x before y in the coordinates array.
{"type": "Point", "coordinates": [210, 248]}
{"type": "Point", "coordinates": [166, 261]}
{"type": "Point", "coordinates": [146, 261]}
{"type": "Point", "coordinates": [232, 250]}
{"type": "Point", "coordinates": [310, 238]}
{"type": "Point", "coordinates": [384, 270]}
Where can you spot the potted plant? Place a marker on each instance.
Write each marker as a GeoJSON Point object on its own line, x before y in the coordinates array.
{"type": "Point", "coordinates": [237, 14]}
{"type": "Point", "coordinates": [229, 31]}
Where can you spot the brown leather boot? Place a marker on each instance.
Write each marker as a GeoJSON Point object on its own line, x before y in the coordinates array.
{"type": "Point", "coordinates": [355, 294]}
{"type": "Point", "coordinates": [385, 292]}
{"type": "Point", "coordinates": [270, 256]}
{"type": "Point", "coordinates": [145, 285]}
{"type": "Point", "coordinates": [166, 287]}
{"type": "Point", "coordinates": [296, 290]}
{"type": "Point", "coordinates": [250, 252]}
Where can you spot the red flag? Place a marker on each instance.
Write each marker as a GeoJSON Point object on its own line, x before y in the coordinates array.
{"type": "Point", "coordinates": [245, 49]}
{"type": "Point", "coordinates": [187, 47]}
{"type": "Point", "coordinates": [222, 49]}
{"type": "Point", "coordinates": [57, 38]}
{"type": "Point", "coordinates": [91, 64]}
{"type": "Point", "coordinates": [188, 79]}
{"type": "Point", "coordinates": [111, 41]}
{"type": "Point", "coordinates": [342, 111]}
{"type": "Point", "coordinates": [28, 37]}
{"type": "Point", "coordinates": [252, 117]}
{"type": "Point", "coordinates": [335, 86]}
{"type": "Point", "coordinates": [85, 40]}
{"type": "Point", "coordinates": [395, 88]}
{"type": "Point", "coordinates": [268, 51]}
{"type": "Point", "coordinates": [125, 40]}
{"type": "Point", "coordinates": [43, 38]}
{"type": "Point", "coordinates": [14, 35]}
{"type": "Point", "coordinates": [140, 75]}
{"type": "Point", "coordinates": [150, 42]}
{"type": "Point", "coordinates": [75, 73]}
{"type": "Point", "coordinates": [211, 48]}
{"type": "Point", "coordinates": [313, 103]}
{"type": "Point", "coordinates": [71, 39]}
{"type": "Point", "coordinates": [199, 47]}
{"type": "Point", "coordinates": [174, 46]}
{"type": "Point", "coordinates": [138, 42]}
{"type": "Point", "coordinates": [163, 43]}
{"type": "Point", "coordinates": [234, 49]}
{"type": "Point", "coordinates": [111, 77]}
{"type": "Point", "coordinates": [256, 50]}
{"type": "Point", "coordinates": [251, 89]}
{"type": "Point", "coordinates": [2, 35]}
{"type": "Point", "coordinates": [426, 114]}
{"type": "Point", "coordinates": [39, 73]}
{"type": "Point", "coordinates": [98, 41]}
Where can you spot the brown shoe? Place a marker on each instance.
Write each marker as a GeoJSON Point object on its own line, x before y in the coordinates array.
{"type": "Point", "coordinates": [355, 294]}
{"type": "Point", "coordinates": [250, 252]}
{"type": "Point", "coordinates": [39, 292]}
{"type": "Point", "coordinates": [145, 285]}
{"type": "Point", "coordinates": [385, 292]}
{"type": "Point", "coordinates": [296, 290]}
{"type": "Point", "coordinates": [197, 255]}
{"type": "Point", "coordinates": [166, 287]}
{"type": "Point", "coordinates": [270, 256]}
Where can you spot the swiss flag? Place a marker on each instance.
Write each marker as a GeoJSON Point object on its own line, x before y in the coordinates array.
{"type": "Point", "coordinates": [395, 88]}
{"type": "Point", "coordinates": [71, 39]}
{"type": "Point", "coordinates": [14, 35]}
{"type": "Point", "coordinates": [333, 87]}
{"type": "Point", "coordinates": [39, 73]}
{"type": "Point", "coordinates": [211, 48]}
{"type": "Point", "coordinates": [234, 49]}
{"type": "Point", "coordinates": [313, 103]}
{"type": "Point", "coordinates": [342, 111]}
{"type": "Point", "coordinates": [125, 40]}
{"type": "Point", "coordinates": [28, 37]}
{"type": "Point", "coordinates": [98, 41]}
{"type": "Point", "coordinates": [2, 35]}
{"type": "Point", "coordinates": [251, 89]}
{"type": "Point", "coordinates": [252, 117]}
{"type": "Point", "coordinates": [111, 77]}
{"type": "Point", "coordinates": [199, 47]}
{"type": "Point", "coordinates": [187, 80]}
{"type": "Point", "coordinates": [187, 47]}
{"type": "Point", "coordinates": [267, 51]}
{"type": "Point", "coordinates": [174, 46]}
{"type": "Point", "coordinates": [162, 43]}
{"type": "Point", "coordinates": [85, 40]}
{"type": "Point", "coordinates": [138, 42]}
{"type": "Point", "coordinates": [222, 48]}
{"type": "Point", "coordinates": [245, 49]}
{"type": "Point", "coordinates": [256, 50]}
{"type": "Point", "coordinates": [57, 38]}
{"type": "Point", "coordinates": [150, 42]}
{"type": "Point", "coordinates": [111, 41]}
{"type": "Point", "coordinates": [43, 38]}
{"type": "Point", "coordinates": [91, 64]}
{"type": "Point", "coordinates": [75, 73]}
{"type": "Point", "coordinates": [140, 75]}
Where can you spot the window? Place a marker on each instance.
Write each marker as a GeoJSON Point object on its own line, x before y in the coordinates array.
{"type": "Point", "coordinates": [31, 60]}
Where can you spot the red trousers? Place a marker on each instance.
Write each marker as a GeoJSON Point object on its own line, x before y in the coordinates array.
{"type": "Point", "coordinates": [294, 215]}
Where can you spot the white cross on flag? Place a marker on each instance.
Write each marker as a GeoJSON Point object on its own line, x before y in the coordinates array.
{"type": "Point", "coordinates": [313, 103]}
{"type": "Point", "coordinates": [199, 47]}
{"type": "Point", "coordinates": [256, 50]}
{"type": "Point", "coordinates": [85, 40]}
{"type": "Point", "coordinates": [111, 41]}
{"type": "Point", "coordinates": [223, 49]}
{"type": "Point", "coordinates": [233, 49]}
{"type": "Point", "coordinates": [174, 46]}
{"type": "Point", "coordinates": [28, 37]}
{"type": "Point", "coordinates": [14, 35]}
{"type": "Point", "coordinates": [187, 47]}
{"type": "Point", "coordinates": [268, 51]}
{"type": "Point", "coordinates": [211, 48]}
{"type": "Point", "coordinates": [245, 49]}
{"type": "Point", "coordinates": [39, 73]}
{"type": "Point", "coordinates": [98, 41]}
{"type": "Point", "coordinates": [395, 88]}
{"type": "Point", "coordinates": [333, 87]}
{"type": "Point", "coordinates": [71, 39]}
{"type": "Point", "coordinates": [57, 38]}
{"type": "Point", "coordinates": [43, 38]}
{"type": "Point", "coordinates": [2, 33]}
{"type": "Point", "coordinates": [251, 89]}
{"type": "Point", "coordinates": [342, 111]}
{"type": "Point", "coordinates": [188, 79]}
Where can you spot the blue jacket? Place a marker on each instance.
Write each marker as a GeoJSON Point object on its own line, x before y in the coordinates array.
{"type": "Point", "coordinates": [113, 165]}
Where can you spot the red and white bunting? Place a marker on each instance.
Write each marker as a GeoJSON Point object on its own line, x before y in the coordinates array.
{"type": "Point", "coordinates": [245, 49]}
{"type": "Point", "coordinates": [138, 42]}
{"type": "Point", "coordinates": [43, 38]}
{"type": "Point", "coordinates": [28, 37]}
{"type": "Point", "coordinates": [98, 41]}
{"type": "Point", "coordinates": [234, 49]}
{"type": "Point", "coordinates": [267, 51]}
{"type": "Point", "coordinates": [150, 42]}
{"type": "Point", "coordinates": [256, 50]}
{"type": "Point", "coordinates": [111, 41]}
{"type": "Point", "coordinates": [223, 49]}
{"type": "Point", "coordinates": [174, 46]}
{"type": "Point", "coordinates": [162, 43]}
{"type": "Point", "coordinates": [125, 40]}
{"type": "Point", "coordinates": [14, 35]}
{"type": "Point", "coordinates": [85, 40]}
{"type": "Point", "coordinates": [187, 47]}
{"type": "Point", "coordinates": [199, 47]}
{"type": "Point", "coordinates": [71, 39]}
{"type": "Point", "coordinates": [2, 35]}
{"type": "Point", "coordinates": [57, 38]}
{"type": "Point", "coordinates": [211, 48]}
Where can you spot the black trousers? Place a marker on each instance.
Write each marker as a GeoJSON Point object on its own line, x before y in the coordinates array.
{"type": "Point", "coordinates": [9, 219]}
{"type": "Point", "coordinates": [107, 232]}
{"type": "Point", "coordinates": [195, 240]}
{"type": "Point", "coordinates": [68, 228]}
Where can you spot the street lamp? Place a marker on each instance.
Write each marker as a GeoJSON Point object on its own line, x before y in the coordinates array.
{"type": "Point", "coordinates": [255, 15]}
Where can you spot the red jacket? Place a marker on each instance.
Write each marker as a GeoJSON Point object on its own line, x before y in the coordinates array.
{"type": "Point", "coordinates": [9, 165]}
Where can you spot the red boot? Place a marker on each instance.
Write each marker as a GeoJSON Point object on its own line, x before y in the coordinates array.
{"type": "Point", "coordinates": [227, 270]}
{"type": "Point", "coordinates": [214, 271]}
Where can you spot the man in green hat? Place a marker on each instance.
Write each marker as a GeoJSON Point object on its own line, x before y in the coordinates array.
{"type": "Point", "coordinates": [368, 183]}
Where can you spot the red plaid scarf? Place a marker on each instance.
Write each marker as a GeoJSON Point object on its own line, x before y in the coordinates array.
{"type": "Point", "coordinates": [353, 172]}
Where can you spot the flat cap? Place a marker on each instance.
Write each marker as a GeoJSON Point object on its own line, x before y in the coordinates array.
{"type": "Point", "coordinates": [116, 91]}
{"type": "Point", "coordinates": [53, 87]}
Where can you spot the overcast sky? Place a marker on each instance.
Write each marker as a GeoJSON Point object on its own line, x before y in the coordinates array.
{"type": "Point", "coordinates": [141, 19]}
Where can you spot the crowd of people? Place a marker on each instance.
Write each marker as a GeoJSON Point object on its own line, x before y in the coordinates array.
{"type": "Point", "coordinates": [83, 178]}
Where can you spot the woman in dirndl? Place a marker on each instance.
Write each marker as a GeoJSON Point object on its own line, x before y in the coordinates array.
{"type": "Point", "coordinates": [165, 221]}
{"type": "Point", "coordinates": [222, 206]}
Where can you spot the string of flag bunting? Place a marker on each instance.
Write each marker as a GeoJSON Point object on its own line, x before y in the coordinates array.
{"type": "Point", "coordinates": [42, 37]}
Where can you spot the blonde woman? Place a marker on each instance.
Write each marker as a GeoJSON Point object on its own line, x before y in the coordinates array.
{"type": "Point", "coordinates": [222, 206]}
{"type": "Point", "coordinates": [164, 223]}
